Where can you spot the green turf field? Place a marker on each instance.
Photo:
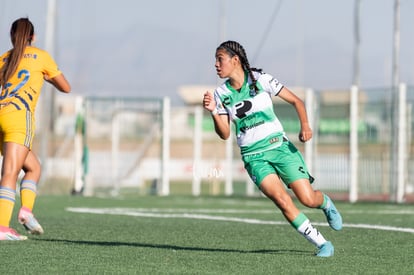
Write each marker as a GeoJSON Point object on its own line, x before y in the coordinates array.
{"type": "Point", "coordinates": [205, 235]}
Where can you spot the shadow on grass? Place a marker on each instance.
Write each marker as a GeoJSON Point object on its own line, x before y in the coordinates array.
{"type": "Point", "coordinates": [175, 247]}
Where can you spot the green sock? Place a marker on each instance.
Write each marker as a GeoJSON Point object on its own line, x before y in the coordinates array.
{"type": "Point", "coordinates": [324, 204]}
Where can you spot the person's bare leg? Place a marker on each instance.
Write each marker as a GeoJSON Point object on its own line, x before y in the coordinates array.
{"type": "Point", "coordinates": [316, 199]}
{"type": "Point", "coordinates": [14, 156]}
{"type": "Point", "coordinates": [28, 192]}
{"type": "Point", "coordinates": [275, 190]}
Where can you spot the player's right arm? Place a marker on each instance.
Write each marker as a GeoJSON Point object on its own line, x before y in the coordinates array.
{"type": "Point", "coordinates": [221, 121]}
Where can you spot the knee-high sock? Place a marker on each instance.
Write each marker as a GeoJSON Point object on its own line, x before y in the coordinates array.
{"type": "Point", "coordinates": [7, 199]}
{"type": "Point", "coordinates": [302, 224]}
{"type": "Point", "coordinates": [326, 202]}
{"type": "Point", "coordinates": [28, 191]}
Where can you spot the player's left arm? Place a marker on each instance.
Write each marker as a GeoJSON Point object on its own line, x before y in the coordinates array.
{"type": "Point", "coordinates": [59, 82]}
{"type": "Point", "coordinates": [52, 74]}
{"type": "Point", "coordinates": [305, 130]}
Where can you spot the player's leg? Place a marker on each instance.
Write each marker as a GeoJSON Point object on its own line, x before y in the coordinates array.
{"type": "Point", "coordinates": [13, 158]}
{"type": "Point", "coordinates": [294, 172]}
{"type": "Point", "coordinates": [28, 185]}
{"type": "Point", "coordinates": [28, 192]}
{"type": "Point", "coordinates": [275, 190]}
{"type": "Point", "coordinates": [316, 199]}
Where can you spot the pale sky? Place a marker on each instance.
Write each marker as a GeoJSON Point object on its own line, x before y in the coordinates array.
{"type": "Point", "coordinates": [150, 48]}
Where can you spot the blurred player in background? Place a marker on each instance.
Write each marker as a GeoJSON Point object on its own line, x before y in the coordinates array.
{"type": "Point", "coordinates": [268, 156]}
{"type": "Point", "coordinates": [23, 70]}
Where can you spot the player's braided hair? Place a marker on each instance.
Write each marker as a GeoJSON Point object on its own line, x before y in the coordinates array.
{"type": "Point", "coordinates": [21, 34]}
{"type": "Point", "coordinates": [235, 48]}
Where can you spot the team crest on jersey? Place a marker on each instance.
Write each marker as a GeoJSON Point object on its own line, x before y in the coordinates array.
{"type": "Point", "coordinates": [252, 91]}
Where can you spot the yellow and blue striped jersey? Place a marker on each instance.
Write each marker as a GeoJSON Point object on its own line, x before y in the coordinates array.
{"type": "Point", "coordinates": [22, 90]}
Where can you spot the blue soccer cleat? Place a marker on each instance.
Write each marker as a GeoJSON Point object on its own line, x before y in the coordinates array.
{"type": "Point", "coordinates": [332, 215]}
{"type": "Point", "coordinates": [326, 250]}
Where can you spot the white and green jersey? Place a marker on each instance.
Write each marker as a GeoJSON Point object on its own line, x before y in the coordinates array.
{"type": "Point", "coordinates": [257, 127]}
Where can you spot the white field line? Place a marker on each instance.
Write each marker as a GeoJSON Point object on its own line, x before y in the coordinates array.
{"type": "Point", "coordinates": [250, 211]}
{"type": "Point", "coordinates": [169, 213]}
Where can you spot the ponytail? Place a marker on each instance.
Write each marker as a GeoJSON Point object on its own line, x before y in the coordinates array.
{"type": "Point", "coordinates": [21, 34]}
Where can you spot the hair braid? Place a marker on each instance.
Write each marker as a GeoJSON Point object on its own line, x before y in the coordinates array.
{"type": "Point", "coordinates": [235, 48]}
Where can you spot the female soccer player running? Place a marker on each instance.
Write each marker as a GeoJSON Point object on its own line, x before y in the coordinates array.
{"type": "Point", "coordinates": [268, 156]}
{"type": "Point", "coordinates": [22, 72]}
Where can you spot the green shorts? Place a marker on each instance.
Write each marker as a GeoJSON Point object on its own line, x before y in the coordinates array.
{"type": "Point", "coordinates": [286, 161]}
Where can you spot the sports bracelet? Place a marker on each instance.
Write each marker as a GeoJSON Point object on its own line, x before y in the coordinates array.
{"type": "Point", "coordinates": [214, 112]}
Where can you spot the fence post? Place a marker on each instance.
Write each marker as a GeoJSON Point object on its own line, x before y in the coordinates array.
{"type": "Point", "coordinates": [166, 138]}
{"type": "Point", "coordinates": [402, 143]}
{"type": "Point", "coordinates": [228, 187]}
{"type": "Point", "coordinates": [310, 145]}
{"type": "Point", "coordinates": [79, 147]}
{"type": "Point", "coordinates": [115, 153]}
{"type": "Point", "coordinates": [198, 121]}
{"type": "Point", "coordinates": [353, 187]}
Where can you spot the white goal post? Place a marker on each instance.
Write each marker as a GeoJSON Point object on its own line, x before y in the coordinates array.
{"type": "Point", "coordinates": [121, 132]}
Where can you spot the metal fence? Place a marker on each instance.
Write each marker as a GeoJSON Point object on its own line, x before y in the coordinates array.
{"type": "Point", "coordinates": [135, 144]}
